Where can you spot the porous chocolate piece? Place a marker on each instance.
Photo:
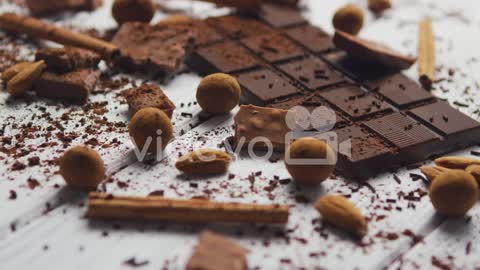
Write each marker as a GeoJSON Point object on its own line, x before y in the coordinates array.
{"type": "Point", "coordinates": [312, 72]}
{"type": "Point", "coordinates": [355, 102]}
{"type": "Point", "coordinates": [204, 33]}
{"type": "Point", "coordinates": [253, 122]}
{"type": "Point", "coordinates": [68, 58]}
{"type": "Point", "coordinates": [264, 86]}
{"type": "Point", "coordinates": [72, 86]}
{"type": "Point", "coordinates": [148, 95]}
{"type": "Point", "coordinates": [158, 48]}
{"type": "Point", "coordinates": [237, 27]}
{"type": "Point", "coordinates": [226, 57]}
{"type": "Point", "coordinates": [311, 37]}
{"type": "Point", "coordinates": [45, 7]}
{"type": "Point", "coordinates": [214, 252]}
{"type": "Point", "coordinates": [280, 15]}
{"type": "Point", "coordinates": [399, 90]}
{"type": "Point", "coordinates": [273, 47]}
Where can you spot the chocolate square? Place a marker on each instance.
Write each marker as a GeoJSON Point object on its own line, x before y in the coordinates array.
{"type": "Point", "coordinates": [263, 86]}
{"type": "Point", "coordinates": [281, 15]}
{"type": "Point", "coordinates": [273, 47]}
{"type": "Point", "coordinates": [311, 37]}
{"type": "Point", "coordinates": [72, 86]}
{"type": "Point", "coordinates": [354, 101]}
{"type": "Point", "coordinates": [148, 95]}
{"type": "Point", "coordinates": [237, 27]}
{"type": "Point", "coordinates": [67, 58]}
{"type": "Point", "coordinates": [226, 57]}
{"type": "Point", "coordinates": [400, 90]}
{"type": "Point", "coordinates": [312, 72]}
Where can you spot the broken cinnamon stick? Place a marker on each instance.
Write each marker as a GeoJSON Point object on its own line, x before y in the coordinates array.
{"type": "Point", "coordinates": [196, 210]}
{"type": "Point", "coordinates": [426, 53]}
{"type": "Point", "coordinates": [38, 29]}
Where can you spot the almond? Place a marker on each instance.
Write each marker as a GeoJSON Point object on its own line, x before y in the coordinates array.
{"type": "Point", "coordinates": [23, 81]}
{"type": "Point", "coordinates": [431, 172]}
{"type": "Point", "coordinates": [339, 211]}
{"type": "Point", "coordinates": [456, 162]}
{"type": "Point", "coordinates": [475, 171]}
{"type": "Point", "coordinates": [12, 71]}
{"type": "Point", "coordinates": [204, 162]}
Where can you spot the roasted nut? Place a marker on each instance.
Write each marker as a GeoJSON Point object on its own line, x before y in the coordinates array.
{"type": "Point", "coordinates": [218, 93]}
{"type": "Point", "coordinates": [10, 72]}
{"type": "Point", "coordinates": [147, 127]}
{"type": "Point", "coordinates": [82, 168]}
{"type": "Point", "coordinates": [24, 80]}
{"type": "Point", "coordinates": [176, 19]}
{"type": "Point", "coordinates": [378, 6]}
{"type": "Point", "coordinates": [456, 162]}
{"type": "Point", "coordinates": [475, 171]}
{"type": "Point", "coordinates": [133, 11]}
{"type": "Point", "coordinates": [204, 162]}
{"type": "Point", "coordinates": [431, 172]}
{"type": "Point", "coordinates": [348, 19]}
{"type": "Point", "coordinates": [454, 192]}
{"type": "Point", "coordinates": [304, 150]}
{"type": "Point", "coordinates": [339, 211]}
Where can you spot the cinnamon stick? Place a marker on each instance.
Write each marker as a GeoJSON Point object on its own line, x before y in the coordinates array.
{"type": "Point", "coordinates": [158, 208]}
{"type": "Point", "coordinates": [426, 53]}
{"type": "Point", "coordinates": [39, 29]}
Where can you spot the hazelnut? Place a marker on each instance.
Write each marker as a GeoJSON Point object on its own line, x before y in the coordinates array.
{"type": "Point", "coordinates": [176, 19]}
{"type": "Point", "coordinates": [378, 6]}
{"type": "Point", "coordinates": [154, 124]}
{"type": "Point", "coordinates": [218, 93]}
{"type": "Point", "coordinates": [309, 148]}
{"type": "Point", "coordinates": [454, 192]}
{"type": "Point", "coordinates": [475, 171]}
{"type": "Point", "coordinates": [348, 19]}
{"type": "Point", "coordinates": [133, 11]}
{"type": "Point", "coordinates": [82, 168]}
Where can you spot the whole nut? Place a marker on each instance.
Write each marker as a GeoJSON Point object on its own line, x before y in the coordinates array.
{"type": "Point", "coordinates": [147, 127]}
{"type": "Point", "coordinates": [339, 211]}
{"type": "Point", "coordinates": [306, 149]}
{"type": "Point", "coordinates": [454, 192]}
{"type": "Point", "coordinates": [431, 172]}
{"type": "Point", "coordinates": [82, 168]}
{"type": "Point", "coordinates": [348, 19]}
{"type": "Point", "coordinates": [176, 19]}
{"type": "Point", "coordinates": [378, 6]}
{"type": "Point", "coordinates": [12, 71]}
{"type": "Point", "coordinates": [218, 93]}
{"type": "Point", "coordinates": [475, 171]}
{"type": "Point", "coordinates": [456, 162]}
{"type": "Point", "coordinates": [133, 11]}
{"type": "Point", "coordinates": [24, 80]}
{"type": "Point", "coordinates": [204, 162]}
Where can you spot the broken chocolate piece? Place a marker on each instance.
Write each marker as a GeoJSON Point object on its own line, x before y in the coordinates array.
{"type": "Point", "coordinates": [215, 252]}
{"type": "Point", "coordinates": [68, 58]}
{"type": "Point", "coordinates": [281, 15]}
{"type": "Point", "coordinates": [371, 52]}
{"type": "Point", "coordinates": [158, 48]}
{"type": "Point", "coordinates": [45, 7]}
{"type": "Point", "coordinates": [148, 95]}
{"type": "Point", "coordinates": [72, 86]}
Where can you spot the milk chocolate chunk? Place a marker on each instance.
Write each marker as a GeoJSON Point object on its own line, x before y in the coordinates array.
{"type": "Point", "coordinates": [237, 27]}
{"type": "Point", "coordinates": [148, 95]}
{"type": "Point", "coordinates": [68, 58]}
{"type": "Point", "coordinates": [263, 86]}
{"type": "Point", "coordinates": [72, 86]}
{"type": "Point", "coordinates": [311, 37]}
{"type": "Point", "coordinates": [215, 252]}
{"type": "Point", "coordinates": [158, 48]}
{"type": "Point", "coordinates": [280, 16]}
{"type": "Point", "coordinates": [371, 52]}
{"type": "Point", "coordinates": [252, 122]}
{"type": "Point", "coordinates": [45, 7]}
{"type": "Point", "coordinates": [273, 47]}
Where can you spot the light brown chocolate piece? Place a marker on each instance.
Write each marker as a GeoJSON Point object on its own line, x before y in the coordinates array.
{"type": "Point", "coordinates": [72, 86]}
{"type": "Point", "coordinates": [252, 122]}
{"type": "Point", "coordinates": [215, 252]}
{"type": "Point", "coordinates": [371, 52]}
{"type": "Point", "coordinates": [45, 7]}
{"type": "Point", "coordinates": [68, 58]}
{"type": "Point", "coordinates": [148, 95]}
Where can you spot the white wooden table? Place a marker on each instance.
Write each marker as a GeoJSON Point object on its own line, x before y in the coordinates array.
{"type": "Point", "coordinates": [44, 226]}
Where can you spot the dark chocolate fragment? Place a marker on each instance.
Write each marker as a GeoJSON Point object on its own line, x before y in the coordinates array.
{"type": "Point", "coordinates": [72, 86]}
{"type": "Point", "coordinates": [273, 47]}
{"type": "Point", "coordinates": [280, 15]}
{"type": "Point", "coordinates": [148, 95]}
{"type": "Point", "coordinates": [263, 86]}
{"type": "Point", "coordinates": [45, 7]}
{"type": "Point", "coordinates": [226, 57]}
{"type": "Point", "coordinates": [312, 72]}
{"type": "Point", "coordinates": [355, 102]}
{"type": "Point", "coordinates": [158, 48]}
{"type": "Point", "coordinates": [311, 37]}
{"type": "Point", "coordinates": [237, 27]}
{"type": "Point", "coordinates": [68, 58]}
